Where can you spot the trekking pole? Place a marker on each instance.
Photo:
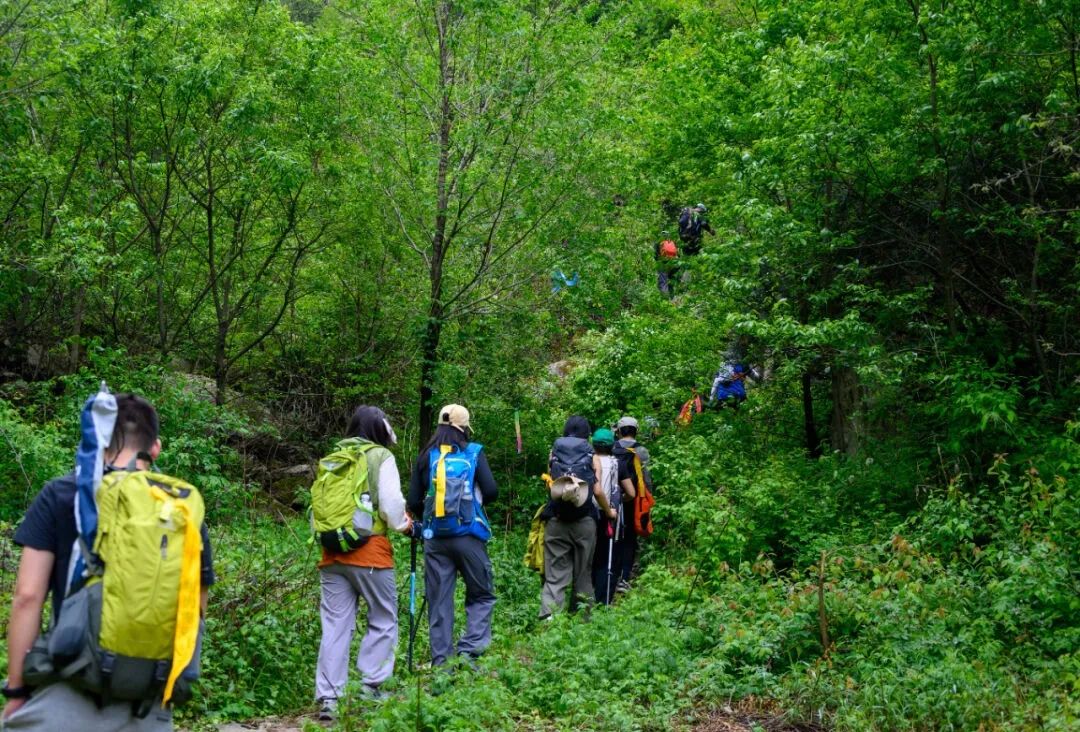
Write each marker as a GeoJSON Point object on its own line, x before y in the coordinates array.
{"type": "Point", "coordinates": [611, 549]}
{"type": "Point", "coordinates": [412, 601]}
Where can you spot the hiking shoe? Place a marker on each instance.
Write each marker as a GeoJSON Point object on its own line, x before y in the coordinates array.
{"type": "Point", "coordinates": [621, 587]}
{"type": "Point", "coordinates": [372, 693]}
{"type": "Point", "coordinates": [328, 710]}
{"type": "Point", "coordinates": [468, 660]}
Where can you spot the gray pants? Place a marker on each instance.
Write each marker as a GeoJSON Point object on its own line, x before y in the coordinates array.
{"type": "Point", "coordinates": [568, 556]}
{"type": "Point", "coordinates": [59, 707]}
{"type": "Point", "coordinates": [443, 559]}
{"type": "Point", "coordinates": [342, 586]}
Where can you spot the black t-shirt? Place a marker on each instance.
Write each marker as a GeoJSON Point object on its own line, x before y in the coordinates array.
{"type": "Point", "coordinates": [49, 525]}
{"type": "Point", "coordinates": [625, 460]}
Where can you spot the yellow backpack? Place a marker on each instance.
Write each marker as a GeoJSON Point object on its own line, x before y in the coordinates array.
{"type": "Point", "coordinates": [534, 549]}
{"type": "Point", "coordinates": [149, 540]}
{"type": "Point", "coordinates": [132, 631]}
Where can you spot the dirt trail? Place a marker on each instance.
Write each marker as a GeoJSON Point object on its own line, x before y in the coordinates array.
{"type": "Point", "coordinates": [270, 724]}
{"type": "Point", "coordinates": [749, 715]}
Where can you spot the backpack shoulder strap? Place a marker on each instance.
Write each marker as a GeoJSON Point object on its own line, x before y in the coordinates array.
{"type": "Point", "coordinates": [637, 467]}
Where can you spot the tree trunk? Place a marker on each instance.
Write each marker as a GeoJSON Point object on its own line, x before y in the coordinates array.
{"type": "Point", "coordinates": [439, 242]}
{"type": "Point", "coordinates": [813, 442]}
{"type": "Point", "coordinates": [427, 377]}
{"type": "Point", "coordinates": [75, 348]}
{"type": "Point", "coordinates": [845, 427]}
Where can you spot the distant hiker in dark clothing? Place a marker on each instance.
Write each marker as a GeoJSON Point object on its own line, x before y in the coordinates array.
{"type": "Point", "coordinates": [626, 430]}
{"type": "Point", "coordinates": [450, 486]}
{"type": "Point", "coordinates": [667, 264]}
{"type": "Point", "coordinates": [692, 224]}
{"type": "Point", "coordinates": [570, 534]}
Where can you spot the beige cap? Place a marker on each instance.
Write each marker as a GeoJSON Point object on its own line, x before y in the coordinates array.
{"type": "Point", "coordinates": [454, 415]}
{"type": "Point", "coordinates": [626, 422]}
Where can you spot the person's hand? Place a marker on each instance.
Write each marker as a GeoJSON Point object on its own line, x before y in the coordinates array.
{"type": "Point", "coordinates": [12, 706]}
{"type": "Point", "coordinates": [612, 513]}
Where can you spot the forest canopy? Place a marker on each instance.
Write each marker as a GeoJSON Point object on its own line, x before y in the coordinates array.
{"type": "Point", "coordinates": [265, 213]}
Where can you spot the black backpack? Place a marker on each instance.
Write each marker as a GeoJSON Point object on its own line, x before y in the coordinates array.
{"type": "Point", "coordinates": [689, 225]}
{"type": "Point", "coordinates": [573, 456]}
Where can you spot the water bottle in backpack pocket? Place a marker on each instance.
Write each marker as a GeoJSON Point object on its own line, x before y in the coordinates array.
{"type": "Point", "coordinates": [344, 503]}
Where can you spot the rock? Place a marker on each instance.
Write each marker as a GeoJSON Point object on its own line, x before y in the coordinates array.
{"type": "Point", "coordinates": [560, 369]}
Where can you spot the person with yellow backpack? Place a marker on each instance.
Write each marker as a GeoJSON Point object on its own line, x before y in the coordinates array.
{"type": "Point", "coordinates": [125, 554]}
{"type": "Point", "coordinates": [356, 501]}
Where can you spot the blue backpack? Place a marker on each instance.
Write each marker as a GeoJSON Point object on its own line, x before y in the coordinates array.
{"type": "Point", "coordinates": [453, 506]}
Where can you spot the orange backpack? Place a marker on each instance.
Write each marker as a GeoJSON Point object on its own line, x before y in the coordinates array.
{"type": "Point", "coordinates": [643, 500]}
{"type": "Point", "coordinates": [668, 250]}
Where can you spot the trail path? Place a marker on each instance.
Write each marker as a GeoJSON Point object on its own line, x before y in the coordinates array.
{"type": "Point", "coordinates": [270, 724]}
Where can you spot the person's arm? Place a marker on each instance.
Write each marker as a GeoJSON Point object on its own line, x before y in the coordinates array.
{"type": "Point", "coordinates": [391, 502]}
{"type": "Point", "coordinates": [31, 589]}
{"type": "Point", "coordinates": [486, 481]}
{"type": "Point", "coordinates": [628, 488]}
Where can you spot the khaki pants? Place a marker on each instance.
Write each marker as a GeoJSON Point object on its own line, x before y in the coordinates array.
{"type": "Point", "coordinates": [568, 557]}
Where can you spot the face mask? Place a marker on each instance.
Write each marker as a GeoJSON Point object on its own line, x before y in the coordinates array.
{"type": "Point", "coordinates": [389, 429]}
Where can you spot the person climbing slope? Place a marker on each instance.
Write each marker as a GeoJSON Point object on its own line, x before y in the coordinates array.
{"type": "Point", "coordinates": [361, 483]}
{"type": "Point", "coordinates": [450, 485]}
{"type": "Point", "coordinates": [570, 533]}
{"type": "Point", "coordinates": [666, 253]}
{"type": "Point", "coordinates": [610, 526]}
{"type": "Point", "coordinates": [692, 225]}
{"type": "Point", "coordinates": [625, 449]}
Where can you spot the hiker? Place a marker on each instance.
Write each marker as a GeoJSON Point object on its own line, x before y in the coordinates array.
{"type": "Point", "coordinates": [626, 446]}
{"type": "Point", "coordinates": [666, 253]}
{"type": "Point", "coordinates": [48, 535]}
{"type": "Point", "coordinates": [373, 506]}
{"type": "Point", "coordinates": [450, 486]}
{"type": "Point", "coordinates": [729, 386]}
{"type": "Point", "coordinates": [570, 534]}
{"type": "Point", "coordinates": [692, 224]}
{"type": "Point", "coordinates": [610, 526]}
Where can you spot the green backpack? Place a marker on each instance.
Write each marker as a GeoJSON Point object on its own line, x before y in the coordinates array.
{"type": "Point", "coordinates": [132, 632]}
{"type": "Point", "coordinates": [344, 508]}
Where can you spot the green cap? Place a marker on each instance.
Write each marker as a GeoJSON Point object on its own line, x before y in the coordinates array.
{"type": "Point", "coordinates": [603, 436]}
